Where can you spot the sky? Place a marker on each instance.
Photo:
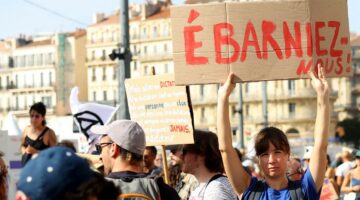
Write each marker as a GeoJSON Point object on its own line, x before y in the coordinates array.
{"type": "Point", "coordinates": [22, 17]}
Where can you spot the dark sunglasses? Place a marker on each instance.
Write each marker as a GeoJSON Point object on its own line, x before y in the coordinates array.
{"type": "Point", "coordinates": [101, 145]}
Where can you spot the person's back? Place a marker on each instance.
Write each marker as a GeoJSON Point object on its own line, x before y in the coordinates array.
{"type": "Point", "coordinates": [121, 148]}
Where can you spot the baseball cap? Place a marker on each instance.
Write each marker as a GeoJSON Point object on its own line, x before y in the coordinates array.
{"type": "Point", "coordinates": [52, 173]}
{"type": "Point", "coordinates": [126, 133]}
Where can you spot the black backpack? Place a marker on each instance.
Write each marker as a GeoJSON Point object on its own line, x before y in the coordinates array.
{"type": "Point", "coordinates": [294, 189]}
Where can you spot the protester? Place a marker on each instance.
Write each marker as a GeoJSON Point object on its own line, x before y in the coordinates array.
{"type": "Point", "coordinates": [68, 144]}
{"type": "Point", "coordinates": [3, 178]}
{"type": "Point", "coordinates": [121, 148]}
{"type": "Point", "coordinates": [344, 168]}
{"type": "Point", "coordinates": [203, 160]}
{"type": "Point", "coordinates": [273, 150]}
{"type": "Point", "coordinates": [351, 183]}
{"type": "Point", "coordinates": [58, 173]}
{"type": "Point", "coordinates": [149, 162]}
{"type": "Point", "coordinates": [182, 182]}
{"type": "Point", "coordinates": [37, 136]}
{"type": "Point", "coordinates": [295, 171]}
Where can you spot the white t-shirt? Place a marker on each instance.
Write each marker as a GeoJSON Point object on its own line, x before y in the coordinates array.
{"type": "Point", "coordinates": [344, 168]}
{"type": "Point", "coordinates": [218, 189]}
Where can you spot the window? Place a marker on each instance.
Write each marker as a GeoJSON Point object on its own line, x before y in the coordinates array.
{"type": "Point", "coordinates": [104, 74]}
{"type": "Point", "coordinates": [49, 58]}
{"type": "Point", "coordinates": [114, 73]}
{"type": "Point", "coordinates": [291, 87]}
{"type": "Point", "coordinates": [155, 32]}
{"type": "Point", "coordinates": [165, 48]}
{"type": "Point", "coordinates": [165, 30]}
{"type": "Point", "coordinates": [41, 79]}
{"type": "Point", "coordinates": [94, 96]}
{"type": "Point", "coordinates": [93, 38]}
{"type": "Point", "coordinates": [93, 74]}
{"type": "Point", "coordinates": [16, 103]}
{"type": "Point", "coordinates": [292, 109]}
{"type": "Point", "coordinates": [246, 88]}
{"type": "Point", "coordinates": [113, 36]}
{"type": "Point", "coordinates": [203, 118]}
{"type": "Point", "coordinates": [247, 110]}
{"type": "Point", "coordinates": [146, 70]}
{"type": "Point", "coordinates": [145, 49]}
{"type": "Point", "coordinates": [31, 60]}
{"type": "Point", "coordinates": [39, 60]}
{"type": "Point", "coordinates": [92, 55]}
{"type": "Point", "coordinates": [0, 83]}
{"type": "Point", "coordinates": [155, 49]}
{"type": "Point", "coordinates": [103, 57]}
{"type": "Point", "coordinates": [16, 80]}
{"type": "Point", "coordinates": [144, 33]}
{"type": "Point", "coordinates": [50, 78]}
{"type": "Point", "coordinates": [47, 101]}
{"type": "Point", "coordinates": [201, 91]}
{"type": "Point", "coordinates": [105, 95]}
{"type": "Point", "coordinates": [135, 66]}
{"type": "Point", "coordinates": [166, 68]}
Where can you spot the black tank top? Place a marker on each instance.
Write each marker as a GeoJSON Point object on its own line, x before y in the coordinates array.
{"type": "Point", "coordinates": [38, 144]}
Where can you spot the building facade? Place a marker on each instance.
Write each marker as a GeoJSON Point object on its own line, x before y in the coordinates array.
{"type": "Point", "coordinates": [42, 69]}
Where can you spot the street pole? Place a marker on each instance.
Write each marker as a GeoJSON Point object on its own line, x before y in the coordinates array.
{"type": "Point", "coordinates": [241, 119]}
{"type": "Point", "coordinates": [264, 104]}
{"type": "Point", "coordinates": [124, 67]}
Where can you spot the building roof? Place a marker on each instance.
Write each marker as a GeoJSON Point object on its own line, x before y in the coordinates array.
{"type": "Point", "coordinates": [163, 13]}
{"type": "Point", "coordinates": [78, 33]}
{"type": "Point", "coordinates": [37, 43]}
{"type": "Point", "coordinates": [355, 41]}
{"type": "Point", "coordinates": [112, 19]}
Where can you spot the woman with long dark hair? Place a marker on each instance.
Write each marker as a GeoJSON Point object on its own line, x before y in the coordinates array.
{"type": "Point", "coordinates": [37, 136]}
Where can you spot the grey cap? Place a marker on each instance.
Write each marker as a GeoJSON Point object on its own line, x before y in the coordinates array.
{"type": "Point", "coordinates": [126, 133]}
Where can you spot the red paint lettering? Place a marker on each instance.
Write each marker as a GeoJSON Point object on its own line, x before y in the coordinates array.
{"type": "Point", "coordinates": [339, 69]}
{"type": "Point", "coordinates": [167, 84]}
{"type": "Point", "coordinates": [309, 40]}
{"type": "Point", "coordinates": [268, 28]}
{"type": "Point", "coordinates": [220, 39]}
{"type": "Point", "coordinates": [290, 41]}
{"type": "Point", "coordinates": [328, 67]}
{"type": "Point", "coordinates": [191, 45]}
{"type": "Point", "coordinates": [336, 25]}
{"type": "Point", "coordinates": [250, 29]}
{"type": "Point", "coordinates": [302, 69]}
{"type": "Point", "coordinates": [319, 38]}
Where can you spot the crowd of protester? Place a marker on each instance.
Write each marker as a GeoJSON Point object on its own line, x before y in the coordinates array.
{"type": "Point", "coordinates": [208, 169]}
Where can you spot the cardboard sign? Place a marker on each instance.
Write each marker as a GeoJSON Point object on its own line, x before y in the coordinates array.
{"type": "Point", "coordinates": [259, 40]}
{"type": "Point", "coordinates": [161, 108]}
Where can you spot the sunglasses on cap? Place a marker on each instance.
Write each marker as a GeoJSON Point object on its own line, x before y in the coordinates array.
{"type": "Point", "coordinates": [100, 146]}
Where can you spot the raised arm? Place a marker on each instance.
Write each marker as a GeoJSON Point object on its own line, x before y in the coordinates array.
{"type": "Point", "coordinates": [239, 178]}
{"type": "Point", "coordinates": [318, 160]}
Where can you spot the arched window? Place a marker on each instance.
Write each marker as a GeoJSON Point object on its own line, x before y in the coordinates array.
{"type": "Point", "coordinates": [292, 131]}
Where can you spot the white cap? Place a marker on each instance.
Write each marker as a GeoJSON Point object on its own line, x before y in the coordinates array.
{"type": "Point", "coordinates": [126, 133]}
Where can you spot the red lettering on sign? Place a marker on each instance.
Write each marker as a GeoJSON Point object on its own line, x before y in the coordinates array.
{"type": "Point", "coordinates": [250, 29]}
{"type": "Point", "coordinates": [328, 67]}
{"type": "Point", "coordinates": [227, 40]}
{"type": "Point", "coordinates": [191, 45]}
{"type": "Point", "coordinates": [192, 16]}
{"type": "Point", "coordinates": [309, 40]}
{"type": "Point", "coordinates": [179, 128]}
{"type": "Point", "coordinates": [291, 42]}
{"type": "Point", "coordinates": [344, 40]}
{"type": "Point", "coordinates": [319, 38]}
{"type": "Point", "coordinates": [302, 69]}
{"type": "Point", "coordinates": [268, 28]}
{"type": "Point", "coordinates": [339, 69]}
{"type": "Point", "coordinates": [333, 51]}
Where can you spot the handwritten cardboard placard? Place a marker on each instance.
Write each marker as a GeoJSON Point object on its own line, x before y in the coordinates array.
{"type": "Point", "coordinates": [259, 40]}
{"type": "Point", "coordinates": [161, 108]}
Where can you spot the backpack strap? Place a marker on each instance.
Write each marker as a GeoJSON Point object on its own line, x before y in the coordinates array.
{"type": "Point", "coordinates": [295, 190]}
{"type": "Point", "coordinates": [259, 189]}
